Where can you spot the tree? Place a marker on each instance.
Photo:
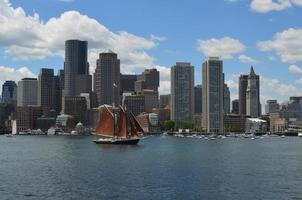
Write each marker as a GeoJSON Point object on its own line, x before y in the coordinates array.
{"type": "Point", "coordinates": [186, 124]}
{"type": "Point", "coordinates": [168, 125]}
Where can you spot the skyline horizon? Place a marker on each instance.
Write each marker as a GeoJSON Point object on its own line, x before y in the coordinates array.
{"type": "Point", "coordinates": [149, 49]}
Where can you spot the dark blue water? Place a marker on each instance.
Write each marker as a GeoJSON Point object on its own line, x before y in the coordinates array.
{"type": "Point", "coordinates": [41, 167]}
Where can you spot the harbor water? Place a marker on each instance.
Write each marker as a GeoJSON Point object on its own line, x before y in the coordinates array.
{"type": "Point", "coordinates": [159, 167]}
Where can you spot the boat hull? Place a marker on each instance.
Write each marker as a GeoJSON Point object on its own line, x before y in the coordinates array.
{"type": "Point", "coordinates": [118, 141]}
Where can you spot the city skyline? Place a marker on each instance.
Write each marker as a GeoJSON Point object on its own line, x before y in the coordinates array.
{"type": "Point", "coordinates": [149, 47]}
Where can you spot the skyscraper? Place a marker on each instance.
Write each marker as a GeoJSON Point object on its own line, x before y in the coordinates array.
{"type": "Point", "coordinates": [226, 99]}
{"type": "Point", "coordinates": [271, 106]}
{"type": "Point", "coordinates": [252, 95]}
{"type": "Point", "coordinates": [235, 106]}
{"type": "Point", "coordinates": [59, 87]}
{"type": "Point", "coordinates": [9, 92]}
{"type": "Point", "coordinates": [46, 89]}
{"type": "Point", "coordinates": [76, 69]}
{"type": "Point", "coordinates": [107, 78]}
{"type": "Point", "coordinates": [182, 92]}
{"type": "Point", "coordinates": [212, 95]}
{"type": "Point", "coordinates": [150, 79]}
{"type": "Point", "coordinates": [164, 100]}
{"type": "Point", "coordinates": [127, 82]}
{"type": "Point", "coordinates": [243, 86]}
{"type": "Point", "coordinates": [198, 99]}
{"type": "Point", "coordinates": [27, 94]}
{"type": "Point", "coordinates": [243, 81]}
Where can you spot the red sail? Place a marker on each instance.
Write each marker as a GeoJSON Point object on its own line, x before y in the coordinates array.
{"type": "Point", "coordinates": [106, 124]}
{"type": "Point", "coordinates": [122, 124]}
{"type": "Point", "coordinates": [135, 127]}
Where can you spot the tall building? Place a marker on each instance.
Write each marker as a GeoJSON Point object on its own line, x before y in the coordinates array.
{"type": "Point", "coordinates": [243, 86]}
{"type": "Point", "coordinates": [76, 106]}
{"type": "Point", "coordinates": [198, 99]}
{"type": "Point", "coordinates": [164, 100]}
{"type": "Point", "coordinates": [107, 78]}
{"type": "Point", "coordinates": [243, 81]}
{"type": "Point", "coordinates": [252, 95]}
{"type": "Point", "coordinates": [76, 69]}
{"type": "Point", "coordinates": [9, 92]}
{"type": "Point", "coordinates": [235, 106]}
{"type": "Point", "coordinates": [27, 94]}
{"type": "Point", "coordinates": [149, 79]}
{"type": "Point", "coordinates": [151, 99]}
{"type": "Point", "coordinates": [134, 103]}
{"type": "Point", "coordinates": [59, 87]}
{"type": "Point", "coordinates": [46, 89]}
{"type": "Point", "coordinates": [182, 92]}
{"type": "Point", "coordinates": [271, 106]}
{"type": "Point", "coordinates": [127, 82]}
{"type": "Point", "coordinates": [226, 99]}
{"type": "Point", "coordinates": [212, 95]}
{"type": "Point", "coordinates": [27, 116]}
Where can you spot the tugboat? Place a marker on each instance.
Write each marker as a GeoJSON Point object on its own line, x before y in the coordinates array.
{"type": "Point", "coordinates": [117, 126]}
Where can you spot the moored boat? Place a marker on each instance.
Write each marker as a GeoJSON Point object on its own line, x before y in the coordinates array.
{"type": "Point", "coordinates": [117, 126]}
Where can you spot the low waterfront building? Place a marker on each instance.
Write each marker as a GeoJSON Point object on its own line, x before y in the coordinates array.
{"type": "Point", "coordinates": [66, 122]}
{"type": "Point", "coordinates": [45, 122]}
{"type": "Point", "coordinates": [234, 123]}
{"type": "Point", "coordinates": [76, 106]}
{"type": "Point", "coordinates": [27, 117]}
{"type": "Point", "coordinates": [255, 126]}
{"type": "Point", "coordinates": [163, 113]}
{"type": "Point", "coordinates": [149, 122]}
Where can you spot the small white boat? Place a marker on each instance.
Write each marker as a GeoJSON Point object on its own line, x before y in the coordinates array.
{"type": "Point", "coordinates": [299, 134]}
{"type": "Point", "coordinates": [283, 136]}
{"type": "Point", "coordinates": [9, 135]}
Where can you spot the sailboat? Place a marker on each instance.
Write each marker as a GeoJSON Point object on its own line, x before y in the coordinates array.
{"type": "Point", "coordinates": [117, 126]}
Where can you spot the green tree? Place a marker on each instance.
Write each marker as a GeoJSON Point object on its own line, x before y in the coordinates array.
{"type": "Point", "coordinates": [168, 125]}
{"type": "Point", "coordinates": [186, 124]}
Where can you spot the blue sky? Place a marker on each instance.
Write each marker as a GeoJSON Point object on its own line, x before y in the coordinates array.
{"type": "Point", "coordinates": [159, 33]}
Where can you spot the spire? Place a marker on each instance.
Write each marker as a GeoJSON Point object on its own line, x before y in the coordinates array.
{"type": "Point", "coordinates": [252, 72]}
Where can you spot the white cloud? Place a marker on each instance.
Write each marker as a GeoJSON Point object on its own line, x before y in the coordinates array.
{"type": "Point", "coordinates": [28, 37]}
{"type": "Point", "coordinates": [165, 82]}
{"type": "Point", "coordinates": [286, 44]}
{"type": "Point", "coordinates": [299, 81]}
{"type": "Point", "coordinates": [224, 47]}
{"type": "Point", "coordinates": [264, 6]}
{"type": "Point", "coordinates": [23, 36]}
{"type": "Point", "coordinates": [246, 59]}
{"type": "Point", "coordinates": [9, 73]}
{"type": "Point", "coordinates": [295, 69]}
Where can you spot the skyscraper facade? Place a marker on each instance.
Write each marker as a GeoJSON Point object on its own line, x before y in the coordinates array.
{"type": "Point", "coordinates": [226, 99]}
{"type": "Point", "coordinates": [182, 92]}
{"type": "Point", "coordinates": [235, 106]}
{"type": "Point", "coordinates": [212, 94]}
{"type": "Point", "coordinates": [46, 89]}
{"type": "Point", "coordinates": [107, 78]}
{"type": "Point", "coordinates": [164, 100]}
{"type": "Point", "coordinates": [150, 79]}
{"type": "Point", "coordinates": [27, 92]}
{"type": "Point", "coordinates": [243, 86]}
{"type": "Point", "coordinates": [271, 106]}
{"type": "Point", "coordinates": [252, 95]}
{"type": "Point", "coordinates": [198, 99]}
{"type": "Point", "coordinates": [127, 82]}
{"type": "Point", "coordinates": [76, 69]}
{"type": "Point", "coordinates": [243, 81]}
{"type": "Point", "coordinates": [9, 92]}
